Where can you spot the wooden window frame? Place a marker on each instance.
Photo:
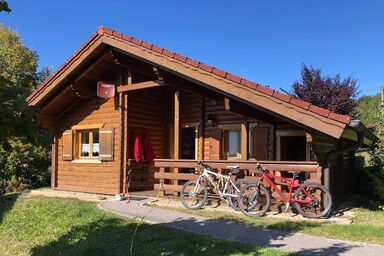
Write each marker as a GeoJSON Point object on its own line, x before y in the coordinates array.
{"type": "Point", "coordinates": [78, 130]}
{"type": "Point", "coordinates": [79, 133]}
{"type": "Point", "coordinates": [226, 130]}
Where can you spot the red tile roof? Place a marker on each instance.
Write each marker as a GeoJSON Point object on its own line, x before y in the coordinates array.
{"type": "Point", "coordinates": [223, 74]}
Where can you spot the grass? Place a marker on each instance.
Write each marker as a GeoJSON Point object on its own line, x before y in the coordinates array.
{"type": "Point", "coordinates": [57, 226]}
{"type": "Point", "coordinates": [367, 225]}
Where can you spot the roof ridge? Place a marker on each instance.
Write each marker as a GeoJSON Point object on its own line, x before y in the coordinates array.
{"type": "Point", "coordinates": [101, 31]}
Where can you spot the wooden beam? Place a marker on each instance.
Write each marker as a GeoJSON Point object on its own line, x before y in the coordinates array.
{"type": "Point", "coordinates": [176, 130]}
{"type": "Point", "coordinates": [123, 98]}
{"type": "Point", "coordinates": [244, 141]}
{"type": "Point", "coordinates": [138, 86]}
{"type": "Point", "coordinates": [202, 127]}
{"type": "Point", "coordinates": [176, 139]}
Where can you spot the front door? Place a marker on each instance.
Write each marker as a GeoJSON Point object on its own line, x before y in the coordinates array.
{"type": "Point", "coordinates": [187, 147]}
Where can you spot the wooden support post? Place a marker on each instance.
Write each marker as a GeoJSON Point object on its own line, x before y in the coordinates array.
{"type": "Point", "coordinates": [244, 141]}
{"type": "Point", "coordinates": [123, 99]}
{"type": "Point", "coordinates": [53, 164]}
{"type": "Point", "coordinates": [202, 128]}
{"type": "Point", "coordinates": [176, 130]}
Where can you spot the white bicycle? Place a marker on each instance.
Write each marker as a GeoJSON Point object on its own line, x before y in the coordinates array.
{"type": "Point", "coordinates": [194, 193]}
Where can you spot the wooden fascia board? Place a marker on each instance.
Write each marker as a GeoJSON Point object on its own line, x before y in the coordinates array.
{"type": "Point", "coordinates": [138, 86]}
{"type": "Point", "coordinates": [291, 112]}
{"type": "Point", "coordinates": [70, 67]}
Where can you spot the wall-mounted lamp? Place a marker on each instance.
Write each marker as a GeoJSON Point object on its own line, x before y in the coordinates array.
{"type": "Point", "coordinates": [211, 119]}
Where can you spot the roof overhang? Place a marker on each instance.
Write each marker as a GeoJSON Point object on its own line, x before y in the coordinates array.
{"type": "Point", "coordinates": [263, 98]}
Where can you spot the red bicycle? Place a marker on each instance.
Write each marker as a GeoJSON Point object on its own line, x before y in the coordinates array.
{"type": "Point", "coordinates": [311, 199]}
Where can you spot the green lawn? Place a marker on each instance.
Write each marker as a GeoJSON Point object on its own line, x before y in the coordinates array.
{"type": "Point", "coordinates": [367, 225]}
{"type": "Point", "coordinates": [56, 226]}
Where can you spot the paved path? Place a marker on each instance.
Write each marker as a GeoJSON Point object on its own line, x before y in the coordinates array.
{"type": "Point", "coordinates": [296, 242]}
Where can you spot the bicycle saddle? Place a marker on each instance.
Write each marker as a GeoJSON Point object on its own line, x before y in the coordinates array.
{"type": "Point", "coordinates": [233, 167]}
{"type": "Point", "coordinates": [295, 174]}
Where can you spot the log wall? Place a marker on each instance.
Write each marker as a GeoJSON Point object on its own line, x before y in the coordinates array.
{"type": "Point", "coordinates": [102, 177]}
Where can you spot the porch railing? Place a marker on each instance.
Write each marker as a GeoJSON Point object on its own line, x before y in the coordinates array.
{"type": "Point", "coordinates": [169, 173]}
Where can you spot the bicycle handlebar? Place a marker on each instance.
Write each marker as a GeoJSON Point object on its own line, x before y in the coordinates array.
{"type": "Point", "coordinates": [261, 167]}
{"type": "Point", "coordinates": [200, 162]}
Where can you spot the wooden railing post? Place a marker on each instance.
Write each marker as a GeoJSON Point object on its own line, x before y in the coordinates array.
{"type": "Point", "coordinates": [161, 183]}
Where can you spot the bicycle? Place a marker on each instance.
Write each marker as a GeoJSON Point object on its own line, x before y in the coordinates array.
{"type": "Point", "coordinates": [311, 199]}
{"type": "Point", "coordinates": [194, 193]}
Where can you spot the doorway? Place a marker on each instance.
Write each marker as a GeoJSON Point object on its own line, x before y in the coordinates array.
{"type": "Point", "coordinates": [187, 143]}
{"type": "Point", "coordinates": [293, 148]}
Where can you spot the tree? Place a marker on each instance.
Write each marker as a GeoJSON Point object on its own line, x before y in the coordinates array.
{"type": "Point", "coordinates": [367, 109]}
{"type": "Point", "coordinates": [333, 93]}
{"type": "Point", "coordinates": [4, 6]}
{"type": "Point", "coordinates": [24, 153]}
{"type": "Point", "coordinates": [370, 111]}
{"type": "Point", "coordinates": [17, 79]}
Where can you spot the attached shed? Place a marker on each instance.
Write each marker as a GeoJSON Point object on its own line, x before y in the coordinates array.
{"type": "Point", "coordinates": [187, 110]}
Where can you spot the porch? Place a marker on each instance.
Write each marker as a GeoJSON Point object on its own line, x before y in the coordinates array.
{"type": "Point", "coordinates": [171, 179]}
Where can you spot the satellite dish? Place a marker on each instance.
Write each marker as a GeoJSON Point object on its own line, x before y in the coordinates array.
{"type": "Point", "coordinates": [105, 90]}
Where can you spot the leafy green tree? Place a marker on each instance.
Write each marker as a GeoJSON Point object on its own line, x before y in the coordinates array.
{"type": "Point", "coordinates": [370, 111]}
{"type": "Point", "coordinates": [367, 109]}
{"type": "Point", "coordinates": [17, 79]}
{"type": "Point", "coordinates": [24, 153]}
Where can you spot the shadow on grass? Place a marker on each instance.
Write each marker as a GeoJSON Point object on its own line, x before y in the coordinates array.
{"type": "Point", "coordinates": [6, 204]}
{"type": "Point", "coordinates": [114, 237]}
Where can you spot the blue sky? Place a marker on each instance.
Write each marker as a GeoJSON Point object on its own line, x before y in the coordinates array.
{"type": "Point", "coordinates": [263, 41]}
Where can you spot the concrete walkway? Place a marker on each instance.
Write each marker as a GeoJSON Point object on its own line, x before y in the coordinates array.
{"type": "Point", "coordinates": [294, 242]}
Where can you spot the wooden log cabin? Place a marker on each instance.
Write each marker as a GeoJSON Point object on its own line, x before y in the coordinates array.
{"type": "Point", "coordinates": [191, 111]}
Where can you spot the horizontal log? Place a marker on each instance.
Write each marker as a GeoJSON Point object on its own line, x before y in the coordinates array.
{"type": "Point", "coordinates": [175, 176]}
{"type": "Point", "coordinates": [246, 165]}
{"type": "Point", "coordinates": [106, 191]}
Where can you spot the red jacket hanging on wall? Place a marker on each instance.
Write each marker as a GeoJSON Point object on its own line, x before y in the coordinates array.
{"type": "Point", "coordinates": [137, 147]}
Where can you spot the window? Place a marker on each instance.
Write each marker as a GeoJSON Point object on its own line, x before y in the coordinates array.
{"type": "Point", "coordinates": [89, 144]}
{"type": "Point", "coordinates": [233, 144]}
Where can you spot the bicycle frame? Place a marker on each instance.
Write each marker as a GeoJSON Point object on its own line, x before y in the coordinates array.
{"type": "Point", "coordinates": [222, 192]}
{"type": "Point", "coordinates": [290, 183]}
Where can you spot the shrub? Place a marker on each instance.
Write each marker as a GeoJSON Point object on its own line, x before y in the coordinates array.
{"type": "Point", "coordinates": [24, 162]}
{"type": "Point", "coordinates": [371, 181]}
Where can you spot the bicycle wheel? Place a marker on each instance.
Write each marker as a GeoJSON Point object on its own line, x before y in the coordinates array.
{"type": "Point", "coordinates": [317, 208]}
{"type": "Point", "coordinates": [232, 201]}
{"type": "Point", "coordinates": [193, 200]}
{"type": "Point", "coordinates": [254, 200]}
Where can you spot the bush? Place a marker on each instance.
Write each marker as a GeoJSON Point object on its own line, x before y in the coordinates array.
{"type": "Point", "coordinates": [24, 163]}
{"type": "Point", "coordinates": [13, 185]}
{"type": "Point", "coordinates": [371, 181]}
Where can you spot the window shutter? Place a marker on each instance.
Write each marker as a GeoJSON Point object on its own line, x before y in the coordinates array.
{"type": "Point", "coordinates": [214, 144]}
{"type": "Point", "coordinates": [260, 143]}
{"type": "Point", "coordinates": [67, 141]}
{"type": "Point", "coordinates": [106, 145]}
